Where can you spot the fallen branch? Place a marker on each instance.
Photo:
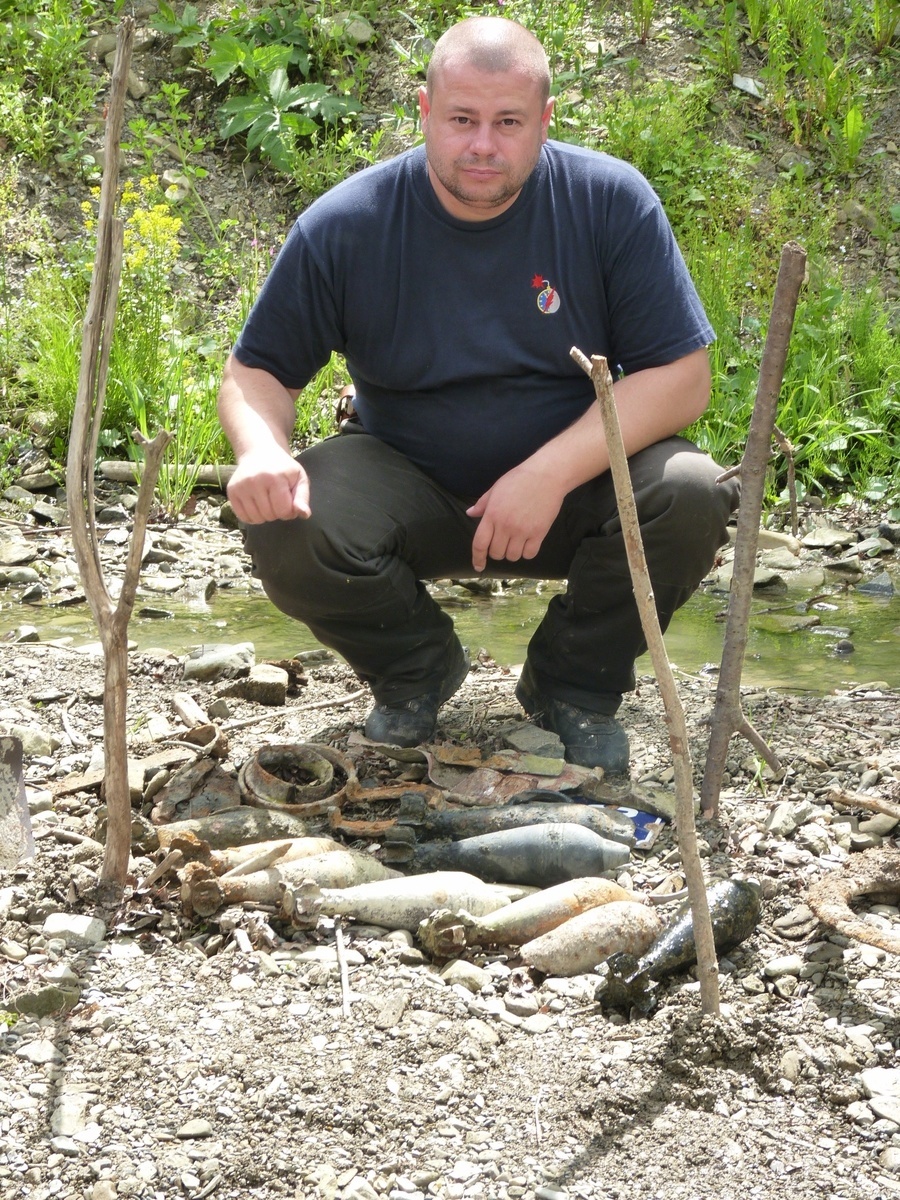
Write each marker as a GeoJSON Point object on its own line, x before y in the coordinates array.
{"type": "Point", "coordinates": [707, 963]}
{"type": "Point", "coordinates": [869, 803]}
{"type": "Point", "coordinates": [206, 476]}
{"type": "Point", "coordinates": [727, 716]}
{"type": "Point", "coordinates": [871, 871]}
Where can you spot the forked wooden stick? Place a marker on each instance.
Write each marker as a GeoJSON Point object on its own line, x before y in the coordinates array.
{"type": "Point", "coordinates": [110, 616]}
{"type": "Point", "coordinates": [727, 715]}
{"type": "Point", "coordinates": [707, 963]}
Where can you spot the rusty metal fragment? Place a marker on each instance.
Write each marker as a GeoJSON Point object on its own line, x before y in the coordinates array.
{"type": "Point", "coordinates": [197, 789]}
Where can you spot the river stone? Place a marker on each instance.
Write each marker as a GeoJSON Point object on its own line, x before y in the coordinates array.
{"type": "Point", "coordinates": [220, 661]}
{"type": "Point", "coordinates": [14, 554]}
{"type": "Point", "coordinates": [9, 576]}
{"type": "Point", "coordinates": [44, 1002]}
{"type": "Point", "coordinates": [849, 568]}
{"type": "Point", "coordinates": [52, 514]}
{"type": "Point", "coordinates": [871, 547]}
{"type": "Point", "coordinates": [75, 930]}
{"type": "Point", "coordinates": [826, 538]}
{"type": "Point", "coordinates": [39, 1053]}
{"type": "Point", "coordinates": [786, 622]}
{"type": "Point", "coordinates": [881, 585]}
{"type": "Point", "coordinates": [265, 684]}
{"type": "Point", "coordinates": [198, 1128]}
{"type": "Point", "coordinates": [467, 974]}
{"type": "Point", "coordinates": [38, 481]}
{"type": "Point", "coordinates": [36, 742]}
{"type": "Point", "coordinates": [881, 1081]}
{"type": "Point", "coordinates": [786, 964]}
{"type": "Point", "coordinates": [886, 1107]}
{"type": "Point", "coordinates": [530, 740]}
{"type": "Point", "coordinates": [782, 821]}
{"type": "Point", "coordinates": [881, 824]}
{"type": "Point", "coordinates": [779, 560]}
{"type": "Point", "coordinates": [889, 1159]}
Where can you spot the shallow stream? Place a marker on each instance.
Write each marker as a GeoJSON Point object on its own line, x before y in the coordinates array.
{"type": "Point", "coordinates": [817, 660]}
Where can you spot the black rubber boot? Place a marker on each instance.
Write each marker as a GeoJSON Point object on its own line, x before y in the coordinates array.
{"type": "Point", "coordinates": [411, 722]}
{"type": "Point", "coordinates": [591, 739]}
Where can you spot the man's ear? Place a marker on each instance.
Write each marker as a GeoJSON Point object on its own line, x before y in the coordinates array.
{"type": "Point", "coordinates": [424, 106]}
{"type": "Point", "coordinates": [545, 119]}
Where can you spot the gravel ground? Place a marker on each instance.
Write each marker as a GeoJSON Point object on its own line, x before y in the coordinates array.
{"type": "Point", "coordinates": [228, 1057]}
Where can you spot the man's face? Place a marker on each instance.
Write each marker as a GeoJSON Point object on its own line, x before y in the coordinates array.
{"type": "Point", "coordinates": [483, 135]}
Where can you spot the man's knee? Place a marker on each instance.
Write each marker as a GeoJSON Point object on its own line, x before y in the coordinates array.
{"type": "Point", "coordinates": [679, 483]}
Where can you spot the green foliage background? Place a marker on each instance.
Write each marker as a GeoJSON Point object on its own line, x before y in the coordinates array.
{"type": "Point", "coordinates": [790, 149]}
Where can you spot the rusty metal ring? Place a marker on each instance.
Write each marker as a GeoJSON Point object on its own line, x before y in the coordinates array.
{"type": "Point", "coordinates": [263, 783]}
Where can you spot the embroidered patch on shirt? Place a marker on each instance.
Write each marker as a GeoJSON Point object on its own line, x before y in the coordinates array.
{"type": "Point", "coordinates": [548, 297]}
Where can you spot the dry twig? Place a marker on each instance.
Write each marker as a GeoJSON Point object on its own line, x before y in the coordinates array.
{"type": "Point", "coordinates": [111, 617]}
{"type": "Point", "coordinates": [728, 716]}
{"type": "Point", "coordinates": [342, 967]}
{"type": "Point", "coordinates": [707, 964]}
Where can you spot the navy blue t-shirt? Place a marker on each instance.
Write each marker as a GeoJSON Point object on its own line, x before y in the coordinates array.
{"type": "Point", "coordinates": [457, 333]}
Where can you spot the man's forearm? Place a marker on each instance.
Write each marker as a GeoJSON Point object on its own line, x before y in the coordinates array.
{"type": "Point", "coordinates": [254, 408]}
{"type": "Point", "coordinates": [652, 405]}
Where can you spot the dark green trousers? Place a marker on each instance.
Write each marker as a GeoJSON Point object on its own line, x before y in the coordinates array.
{"type": "Point", "coordinates": [353, 572]}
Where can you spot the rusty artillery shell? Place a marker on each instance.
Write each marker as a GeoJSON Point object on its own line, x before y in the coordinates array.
{"type": "Point", "coordinates": [399, 904]}
{"type": "Point", "coordinates": [292, 849]}
{"type": "Point", "coordinates": [236, 827]}
{"type": "Point", "coordinates": [202, 892]}
{"type": "Point", "coordinates": [579, 945]}
{"type": "Point", "coordinates": [542, 911]}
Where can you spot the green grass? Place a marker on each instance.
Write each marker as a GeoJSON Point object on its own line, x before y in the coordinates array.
{"type": "Point", "coordinates": [288, 92]}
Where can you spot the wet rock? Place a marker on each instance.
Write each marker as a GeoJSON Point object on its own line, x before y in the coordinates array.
{"type": "Point", "coordinates": [16, 553]}
{"type": "Point", "coordinates": [10, 576]}
{"type": "Point", "coordinates": [881, 585]}
{"type": "Point", "coordinates": [209, 663]}
{"type": "Point", "coordinates": [847, 568]}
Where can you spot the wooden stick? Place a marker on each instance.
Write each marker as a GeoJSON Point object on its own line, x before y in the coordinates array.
{"type": "Point", "coordinates": [869, 803]}
{"type": "Point", "coordinates": [215, 476]}
{"type": "Point", "coordinates": [727, 716]}
{"type": "Point", "coordinates": [111, 618]}
{"type": "Point", "coordinates": [707, 964]}
{"type": "Point", "coordinates": [342, 966]}
{"type": "Point", "coordinates": [787, 449]}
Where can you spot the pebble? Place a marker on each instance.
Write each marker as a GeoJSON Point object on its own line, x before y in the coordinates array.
{"type": "Point", "coordinates": [78, 932]}
{"type": "Point", "coordinates": [788, 964]}
{"type": "Point", "coordinates": [466, 974]}
{"type": "Point", "coordinates": [39, 1053]}
{"type": "Point", "coordinates": [197, 1128]}
{"type": "Point", "coordinates": [539, 1023]}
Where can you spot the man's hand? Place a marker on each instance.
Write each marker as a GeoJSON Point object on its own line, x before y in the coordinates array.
{"type": "Point", "coordinates": [269, 485]}
{"type": "Point", "coordinates": [516, 514]}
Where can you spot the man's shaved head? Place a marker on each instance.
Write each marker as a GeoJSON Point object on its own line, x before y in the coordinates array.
{"type": "Point", "coordinates": [493, 45]}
